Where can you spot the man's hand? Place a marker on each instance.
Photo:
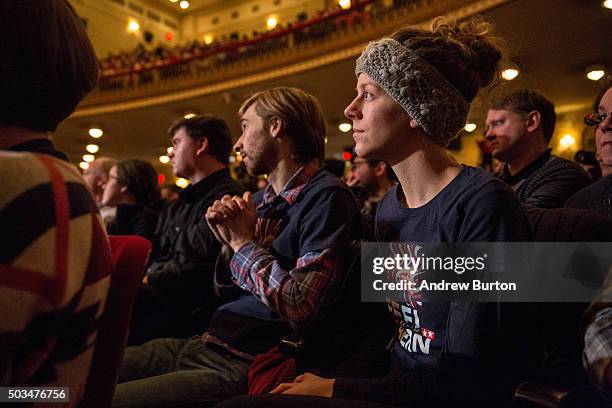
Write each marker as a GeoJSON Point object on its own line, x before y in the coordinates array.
{"type": "Point", "coordinates": [232, 220]}
{"type": "Point", "coordinates": [307, 384]}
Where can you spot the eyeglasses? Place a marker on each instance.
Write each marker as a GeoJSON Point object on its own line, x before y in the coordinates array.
{"type": "Point", "coordinates": [594, 119]}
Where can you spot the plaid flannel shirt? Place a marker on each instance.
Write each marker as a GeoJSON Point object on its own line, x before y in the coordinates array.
{"type": "Point", "coordinates": [597, 354]}
{"type": "Point", "coordinates": [298, 295]}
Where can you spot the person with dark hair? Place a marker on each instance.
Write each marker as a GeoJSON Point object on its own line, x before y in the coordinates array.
{"type": "Point", "coordinates": [598, 196]}
{"type": "Point", "coordinates": [38, 93]}
{"type": "Point", "coordinates": [132, 188]}
{"type": "Point", "coordinates": [414, 90]}
{"type": "Point", "coordinates": [169, 192]}
{"type": "Point", "coordinates": [184, 248]}
{"type": "Point", "coordinates": [287, 247]}
{"type": "Point", "coordinates": [519, 127]}
{"type": "Point", "coordinates": [55, 264]}
{"type": "Point", "coordinates": [370, 179]}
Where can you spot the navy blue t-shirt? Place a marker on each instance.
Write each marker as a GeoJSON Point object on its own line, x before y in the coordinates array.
{"type": "Point", "coordinates": [473, 207]}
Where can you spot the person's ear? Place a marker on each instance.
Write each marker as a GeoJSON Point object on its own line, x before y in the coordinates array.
{"type": "Point", "coordinates": [534, 120]}
{"type": "Point", "coordinates": [201, 146]}
{"type": "Point", "coordinates": [380, 169]}
{"type": "Point", "coordinates": [275, 126]}
{"type": "Point", "coordinates": [413, 124]}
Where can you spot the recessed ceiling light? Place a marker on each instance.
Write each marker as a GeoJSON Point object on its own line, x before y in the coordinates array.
{"type": "Point", "coordinates": [164, 159]}
{"type": "Point", "coordinates": [182, 183]}
{"type": "Point", "coordinates": [89, 158]}
{"type": "Point", "coordinates": [607, 4]}
{"type": "Point", "coordinates": [95, 132]}
{"type": "Point", "coordinates": [170, 149]}
{"type": "Point", "coordinates": [271, 22]}
{"type": "Point", "coordinates": [84, 165]}
{"type": "Point", "coordinates": [510, 73]}
{"type": "Point", "coordinates": [92, 148]}
{"type": "Point", "coordinates": [184, 4]}
{"type": "Point", "coordinates": [345, 127]}
{"type": "Point", "coordinates": [344, 4]}
{"type": "Point", "coordinates": [189, 115]}
{"type": "Point", "coordinates": [595, 73]}
{"type": "Point", "coordinates": [470, 127]}
{"type": "Point", "coordinates": [133, 26]}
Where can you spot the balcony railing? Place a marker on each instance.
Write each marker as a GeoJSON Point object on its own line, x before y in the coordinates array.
{"type": "Point", "coordinates": [306, 45]}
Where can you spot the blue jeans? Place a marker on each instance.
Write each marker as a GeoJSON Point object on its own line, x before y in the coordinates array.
{"type": "Point", "coordinates": [170, 372]}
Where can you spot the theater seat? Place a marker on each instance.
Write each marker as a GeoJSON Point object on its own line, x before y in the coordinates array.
{"type": "Point", "coordinates": [130, 255]}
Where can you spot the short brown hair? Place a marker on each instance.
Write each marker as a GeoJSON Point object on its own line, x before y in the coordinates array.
{"type": "Point", "coordinates": [302, 117]}
{"type": "Point", "coordinates": [212, 128]}
{"type": "Point", "coordinates": [48, 63]}
{"type": "Point", "coordinates": [524, 101]}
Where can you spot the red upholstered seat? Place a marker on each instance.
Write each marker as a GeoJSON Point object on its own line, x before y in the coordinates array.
{"type": "Point", "coordinates": [130, 255]}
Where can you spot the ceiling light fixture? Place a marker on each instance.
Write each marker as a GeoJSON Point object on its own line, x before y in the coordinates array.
{"type": "Point", "coordinates": [344, 4]}
{"type": "Point", "coordinates": [510, 73]}
{"type": "Point", "coordinates": [182, 183]}
{"type": "Point", "coordinates": [596, 72]}
{"type": "Point", "coordinates": [470, 127]}
{"type": "Point", "coordinates": [607, 4]}
{"type": "Point", "coordinates": [272, 22]}
{"type": "Point", "coordinates": [133, 26]}
{"type": "Point", "coordinates": [89, 158]}
{"type": "Point", "coordinates": [189, 115]}
{"type": "Point", "coordinates": [164, 159]}
{"type": "Point", "coordinates": [95, 132]}
{"type": "Point", "coordinates": [345, 127]}
{"type": "Point", "coordinates": [170, 149]}
{"type": "Point", "coordinates": [184, 4]}
{"type": "Point", "coordinates": [567, 141]}
{"type": "Point", "coordinates": [84, 165]}
{"type": "Point", "coordinates": [92, 148]}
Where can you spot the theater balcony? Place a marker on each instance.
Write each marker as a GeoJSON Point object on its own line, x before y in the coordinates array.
{"type": "Point", "coordinates": [324, 39]}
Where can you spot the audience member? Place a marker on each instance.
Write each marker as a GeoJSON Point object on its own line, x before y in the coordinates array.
{"type": "Point", "coordinates": [96, 175]}
{"type": "Point", "coordinates": [445, 354]}
{"type": "Point", "coordinates": [170, 192]}
{"type": "Point", "coordinates": [598, 196]}
{"type": "Point", "coordinates": [597, 355]}
{"type": "Point", "coordinates": [184, 249]}
{"type": "Point", "coordinates": [55, 263]}
{"type": "Point", "coordinates": [132, 189]}
{"type": "Point", "coordinates": [370, 179]}
{"type": "Point", "coordinates": [289, 243]}
{"type": "Point", "coordinates": [519, 127]}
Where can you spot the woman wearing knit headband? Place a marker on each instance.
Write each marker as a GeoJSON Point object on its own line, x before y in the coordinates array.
{"type": "Point", "coordinates": [413, 94]}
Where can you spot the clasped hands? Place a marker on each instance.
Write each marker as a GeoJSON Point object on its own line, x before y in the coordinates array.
{"type": "Point", "coordinates": [232, 220]}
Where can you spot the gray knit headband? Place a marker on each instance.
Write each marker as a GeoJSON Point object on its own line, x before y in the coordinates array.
{"type": "Point", "coordinates": [436, 105]}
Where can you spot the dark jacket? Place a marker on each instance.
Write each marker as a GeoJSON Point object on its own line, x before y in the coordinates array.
{"type": "Point", "coordinates": [596, 197]}
{"type": "Point", "coordinates": [185, 250]}
{"type": "Point", "coordinates": [547, 182]}
{"type": "Point", "coordinates": [134, 220]}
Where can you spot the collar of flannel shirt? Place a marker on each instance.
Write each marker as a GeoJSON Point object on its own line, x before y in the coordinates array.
{"type": "Point", "coordinates": [294, 186]}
